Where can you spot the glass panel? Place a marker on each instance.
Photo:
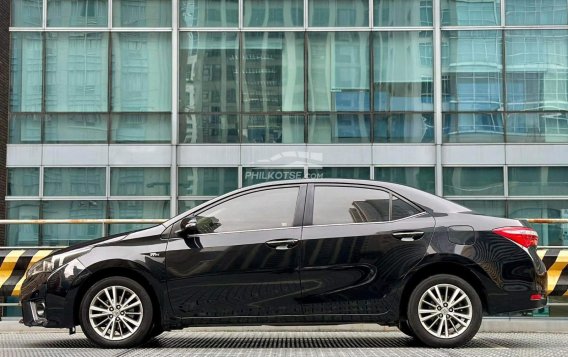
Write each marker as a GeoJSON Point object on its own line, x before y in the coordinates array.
{"type": "Point", "coordinates": [26, 13]}
{"type": "Point", "coordinates": [75, 181]}
{"type": "Point", "coordinates": [273, 67]}
{"type": "Point", "coordinates": [486, 207]}
{"type": "Point", "coordinates": [254, 175]}
{"type": "Point", "coordinates": [23, 181]}
{"type": "Point", "coordinates": [67, 234]}
{"type": "Point", "coordinates": [141, 13]}
{"type": "Point", "coordinates": [141, 72]}
{"type": "Point", "coordinates": [473, 128]}
{"type": "Point", "coordinates": [549, 234]}
{"type": "Point", "coordinates": [26, 80]}
{"type": "Point", "coordinates": [76, 72]}
{"type": "Point", "coordinates": [141, 128]}
{"type": "Point", "coordinates": [403, 13]}
{"type": "Point", "coordinates": [22, 234]}
{"type": "Point", "coordinates": [473, 181]}
{"type": "Point", "coordinates": [257, 210]}
{"type": "Point", "coordinates": [140, 181]}
{"type": "Point", "coordinates": [269, 13]}
{"type": "Point", "coordinates": [73, 13]}
{"type": "Point", "coordinates": [421, 178]}
{"type": "Point", "coordinates": [343, 205]}
{"type": "Point", "coordinates": [537, 69]}
{"type": "Point", "coordinates": [538, 181]}
{"type": "Point", "coordinates": [284, 129]}
{"type": "Point", "coordinates": [403, 71]}
{"type": "Point", "coordinates": [536, 12]}
{"type": "Point", "coordinates": [402, 209]}
{"type": "Point", "coordinates": [537, 127]}
{"type": "Point", "coordinates": [404, 128]}
{"type": "Point", "coordinates": [209, 13]}
{"type": "Point", "coordinates": [360, 173]}
{"type": "Point", "coordinates": [208, 73]}
{"type": "Point", "coordinates": [71, 128]}
{"type": "Point", "coordinates": [214, 128]}
{"type": "Point", "coordinates": [338, 72]}
{"type": "Point", "coordinates": [136, 210]}
{"type": "Point", "coordinates": [472, 71]}
{"type": "Point", "coordinates": [185, 205]}
{"type": "Point", "coordinates": [471, 13]}
{"type": "Point", "coordinates": [24, 129]}
{"type": "Point", "coordinates": [338, 13]}
{"type": "Point", "coordinates": [207, 181]}
{"type": "Point", "coordinates": [339, 128]}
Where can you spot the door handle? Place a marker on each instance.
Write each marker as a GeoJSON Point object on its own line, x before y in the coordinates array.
{"type": "Point", "coordinates": [282, 244]}
{"type": "Point", "coordinates": [408, 236]}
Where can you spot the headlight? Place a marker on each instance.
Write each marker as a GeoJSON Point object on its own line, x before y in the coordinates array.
{"type": "Point", "coordinates": [55, 261]}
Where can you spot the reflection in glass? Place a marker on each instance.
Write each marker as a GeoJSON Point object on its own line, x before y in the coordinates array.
{"type": "Point", "coordinates": [403, 13]}
{"type": "Point", "coordinates": [67, 234]}
{"type": "Point", "coordinates": [537, 127]}
{"type": "Point", "coordinates": [473, 128]}
{"type": "Point", "coordinates": [339, 128]}
{"type": "Point", "coordinates": [403, 71]}
{"type": "Point", "coordinates": [549, 234]}
{"type": "Point", "coordinates": [26, 80]}
{"type": "Point", "coordinates": [254, 175]}
{"type": "Point", "coordinates": [538, 181]}
{"type": "Point", "coordinates": [207, 181]}
{"type": "Point", "coordinates": [471, 13]}
{"type": "Point", "coordinates": [26, 13]}
{"type": "Point", "coordinates": [359, 173]}
{"type": "Point", "coordinates": [212, 128]}
{"type": "Point", "coordinates": [70, 128]}
{"type": "Point", "coordinates": [487, 207]}
{"type": "Point", "coordinates": [136, 210]}
{"type": "Point", "coordinates": [141, 72]}
{"type": "Point", "coordinates": [284, 129]}
{"type": "Point", "coordinates": [74, 181]}
{"type": "Point", "coordinates": [141, 128]}
{"type": "Point", "coordinates": [273, 71]}
{"type": "Point", "coordinates": [404, 128]}
{"type": "Point", "coordinates": [208, 73]}
{"type": "Point", "coordinates": [186, 205]}
{"type": "Point", "coordinates": [421, 178]}
{"type": "Point", "coordinates": [23, 181]}
{"type": "Point", "coordinates": [140, 181]}
{"type": "Point", "coordinates": [24, 129]}
{"type": "Point", "coordinates": [536, 12]}
{"type": "Point", "coordinates": [208, 13]}
{"type": "Point", "coordinates": [537, 69]}
{"type": "Point", "coordinates": [141, 13]}
{"type": "Point", "coordinates": [338, 13]}
{"type": "Point", "coordinates": [473, 181]}
{"type": "Point", "coordinates": [338, 71]}
{"type": "Point", "coordinates": [73, 13]}
{"type": "Point", "coordinates": [22, 234]}
{"type": "Point", "coordinates": [472, 71]}
{"type": "Point", "coordinates": [269, 13]}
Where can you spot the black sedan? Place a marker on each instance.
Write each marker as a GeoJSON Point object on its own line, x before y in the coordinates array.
{"type": "Point", "coordinates": [296, 252]}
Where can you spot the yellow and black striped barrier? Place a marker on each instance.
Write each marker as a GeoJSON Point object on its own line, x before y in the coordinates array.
{"type": "Point", "coordinates": [556, 262]}
{"type": "Point", "coordinates": [13, 266]}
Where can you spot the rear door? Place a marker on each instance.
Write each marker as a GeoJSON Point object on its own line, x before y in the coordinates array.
{"type": "Point", "coordinates": [357, 244]}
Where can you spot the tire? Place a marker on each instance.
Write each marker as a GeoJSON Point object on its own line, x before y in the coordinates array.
{"type": "Point", "coordinates": [156, 331]}
{"type": "Point", "coordinates": [448, 320]}
{"type": "Point", "coordinates": [108, 324]}
{"type": "Point", "coordinates": [404, 327]}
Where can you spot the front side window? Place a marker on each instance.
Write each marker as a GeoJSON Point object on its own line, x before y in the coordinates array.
{"type": "Point", "coordinates": [257, 210]}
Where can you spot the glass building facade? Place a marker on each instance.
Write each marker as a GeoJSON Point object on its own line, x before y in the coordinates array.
{"type": "Point", "coordinates": [146, 108]}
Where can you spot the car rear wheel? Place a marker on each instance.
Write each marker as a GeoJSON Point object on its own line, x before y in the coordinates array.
{"type": "Point", "coordinates": [444, 311]}
{"type": "Point", "coordinates": [404, 327]}
{"type": "Point", "coordinates": [116, 312]}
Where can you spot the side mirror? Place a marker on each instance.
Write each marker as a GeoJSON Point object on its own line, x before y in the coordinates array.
{"type": "Point", "coordinates": [188, 226]}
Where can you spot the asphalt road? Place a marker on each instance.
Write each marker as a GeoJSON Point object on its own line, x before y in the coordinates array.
{"type": "Point", "coordinates": [284, 343]}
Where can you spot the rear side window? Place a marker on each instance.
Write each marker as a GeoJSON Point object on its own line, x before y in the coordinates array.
{"type": "Point", "coordinates": [341, 205]}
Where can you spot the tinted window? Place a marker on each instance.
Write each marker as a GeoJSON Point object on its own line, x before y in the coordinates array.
{"type": "Point", "coordinates": [257, 210]}
{"type": "Point", "coordinates": [350, 205]}
{"type": "Point", "coordinates": [402, 209]}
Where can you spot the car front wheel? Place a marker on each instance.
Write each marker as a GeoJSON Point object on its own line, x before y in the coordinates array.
{"type": "Point", "coordinates": [444, 311]}
{"type": "Point", "coordinates": [116, 312]}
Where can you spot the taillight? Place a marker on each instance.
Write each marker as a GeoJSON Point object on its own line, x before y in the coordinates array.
{"type": "Point", "coordinates": [527, 237]}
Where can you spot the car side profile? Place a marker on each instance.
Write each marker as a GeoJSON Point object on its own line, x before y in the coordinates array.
{"type": "Point", "coordinates": [295, 252]}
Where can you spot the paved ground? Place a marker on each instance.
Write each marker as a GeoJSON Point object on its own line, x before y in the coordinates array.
{"type": "Point", "coordinates": [284, 343]}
